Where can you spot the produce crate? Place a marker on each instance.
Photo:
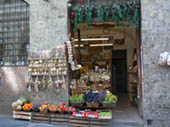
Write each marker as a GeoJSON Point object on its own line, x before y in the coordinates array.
{"type": "Point", "coordinates": [109, 105]}
{"type": "Point", "coordinates": [77, 105]}
{"type": "Point", "coordinates": [99, 123]}
{"type": "Point", "coordinates": [79, 122]}
{"type": "Point", "coordinates": [105, 118]}
{"type": "Point", "coordinates": [92, 105]}
{"type": "Point", "coordinates": [40, 118]}
{"type": "Point", "coordinates": [22, 115]}
{"type": "Point", "coordinates": [59, 119]}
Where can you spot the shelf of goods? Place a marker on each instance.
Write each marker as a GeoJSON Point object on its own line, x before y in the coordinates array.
{"type": "Point", "coordinates": [133, 79]}
{"type": "Point", "coordinates": [133, 87]}
{"type": "Point", "coordinates": [91, 90]}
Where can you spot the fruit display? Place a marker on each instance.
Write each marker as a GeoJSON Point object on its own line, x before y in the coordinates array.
{"type": "Point", "coordinates": [17, 105]}
{"type": "Point", "coordinates": [70, 109]}
{"type": "Point", "coordinates": [92, 79]}
{"type": "Point", "coordinates": [62, 108]}
{"type": "Point", "coordinates": [52, 108]}
{"type": "Point", "coordinates": [44, 108]}
{"type": "Point", "coordinates": [27, 107]}
{"type": "Point", "coordinates": [110, 98]}
{"type": "Point", "coordinates": [77, 98]}
{"type": "Point", "coordinates": [105, 115]}
{"type": "Point", "coordinates": [92, 97]}
{"type": "Point", "coordinates": [36, 108]}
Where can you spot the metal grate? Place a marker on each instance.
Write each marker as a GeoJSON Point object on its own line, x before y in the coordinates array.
{"type": "Point", "coordinates": [14, 33]}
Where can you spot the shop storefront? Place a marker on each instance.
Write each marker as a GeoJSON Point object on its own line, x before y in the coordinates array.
{"type": "Point", "coordinates": [97, 68]}
{"type": "Point", "coordinates": [94, 71]}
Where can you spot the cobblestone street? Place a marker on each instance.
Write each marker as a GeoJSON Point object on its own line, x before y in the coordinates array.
{"type": "Point", "coordinates": [6, 121]}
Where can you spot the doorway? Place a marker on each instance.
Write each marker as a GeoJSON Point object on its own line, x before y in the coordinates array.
{"type": "Point", "coordinates": [119, 71]}
{"type": "Point", "coordinates": [121, 58]}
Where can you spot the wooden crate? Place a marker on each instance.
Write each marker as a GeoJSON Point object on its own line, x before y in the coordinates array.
{"type": "Point", "coordinates": [99, 123]}
{"type": "Point", "coordinates": [40, 118]}
{"type": "Point", "coordinates": [22, 115]}
{"type": "Point", "coordinates": [79, 122]}
{"type": "Point", "coordinates": [59, 119]}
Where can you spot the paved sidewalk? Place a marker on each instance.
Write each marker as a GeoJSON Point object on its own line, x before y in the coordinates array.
{"type": "Point", "coordinates": [6, 121]}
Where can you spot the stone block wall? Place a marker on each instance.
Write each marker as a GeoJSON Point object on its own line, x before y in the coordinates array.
{"type": "Point", "coordinates": [48, 28]}
{"type": "Point", "coordinates": [48, 23]}
{"type": "Point", "coordinates": [156, 79]}
{"type": "Point", "coordinates": [14, 86]}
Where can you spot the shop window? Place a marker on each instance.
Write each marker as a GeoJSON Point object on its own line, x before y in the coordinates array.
{"type": "Point", "coordinates": [14, 33]}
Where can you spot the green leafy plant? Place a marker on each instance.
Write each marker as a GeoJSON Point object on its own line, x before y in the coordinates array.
{"type": "Point", "coordinates": [88, 15]}
{"type": "Point", "coordinates": [127, 14]}
{"type": "Point", "coordinates": [100, 12]}
{"type": "Point", "coordinates": [107, 13]}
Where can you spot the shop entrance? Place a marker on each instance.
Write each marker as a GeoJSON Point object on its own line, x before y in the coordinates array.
{"type": "Point", "coordinates": [104, 46]}
{"type": "Point", "coordinates": [117, 52]}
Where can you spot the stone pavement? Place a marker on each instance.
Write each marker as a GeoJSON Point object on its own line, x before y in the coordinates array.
{"type": "Point", "coordinates": [6, 121]}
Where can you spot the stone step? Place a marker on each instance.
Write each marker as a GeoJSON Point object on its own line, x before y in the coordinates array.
{"type": "Point", "coordinates": [127, 124]}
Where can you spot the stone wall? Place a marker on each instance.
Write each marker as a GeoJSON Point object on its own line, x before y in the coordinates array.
{"type": "Point", "coordinates": [156, 79]}
{"type": "Point", "coordinates": [48, 23]}
{"type": "Point", "coordinates": [48, 28]}
{"type": "Point", "coordinates": [14, 86]}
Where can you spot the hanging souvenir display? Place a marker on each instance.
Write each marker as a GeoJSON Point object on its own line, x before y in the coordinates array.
{"type": "Point", "coordinates": [50, 83]}
{"type": "Point", "coordinates": [71, 61]}
{"type": "Point", "coordinates": [44, 82]}
{"type": "Point", "coordinates": [48, 68]}
{"type": "Point", "coordinates": [36, 84]}
{"type": "Point", "coordinates": [164, 59]}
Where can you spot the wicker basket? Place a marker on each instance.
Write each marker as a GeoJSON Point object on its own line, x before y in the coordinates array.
{"type": "Point", "coordinates": [92, 105]}
{"type": "Point", "coordinates": [109, 105]}
{"type": "Point", "coordinates": [45, 111]}
{"type": "Point", "coordinates": [17, 109]}
{"type": "Point", "coordinates": [27, 110]}
{"type": "Point", "coordinates": [77, 105]}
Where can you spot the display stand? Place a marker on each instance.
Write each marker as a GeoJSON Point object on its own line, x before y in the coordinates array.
{"type": "Point", "coordinates": [22, 115]}
{"type": "Point", "coordinates": [59, 119]}
{"type": "Point", "coordinates": [40, 117]}
{"type": "Point", "coordinates": [88, 122]}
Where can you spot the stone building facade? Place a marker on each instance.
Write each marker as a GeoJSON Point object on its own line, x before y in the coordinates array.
{"type": "Point", "coordinates": [49, 27]}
